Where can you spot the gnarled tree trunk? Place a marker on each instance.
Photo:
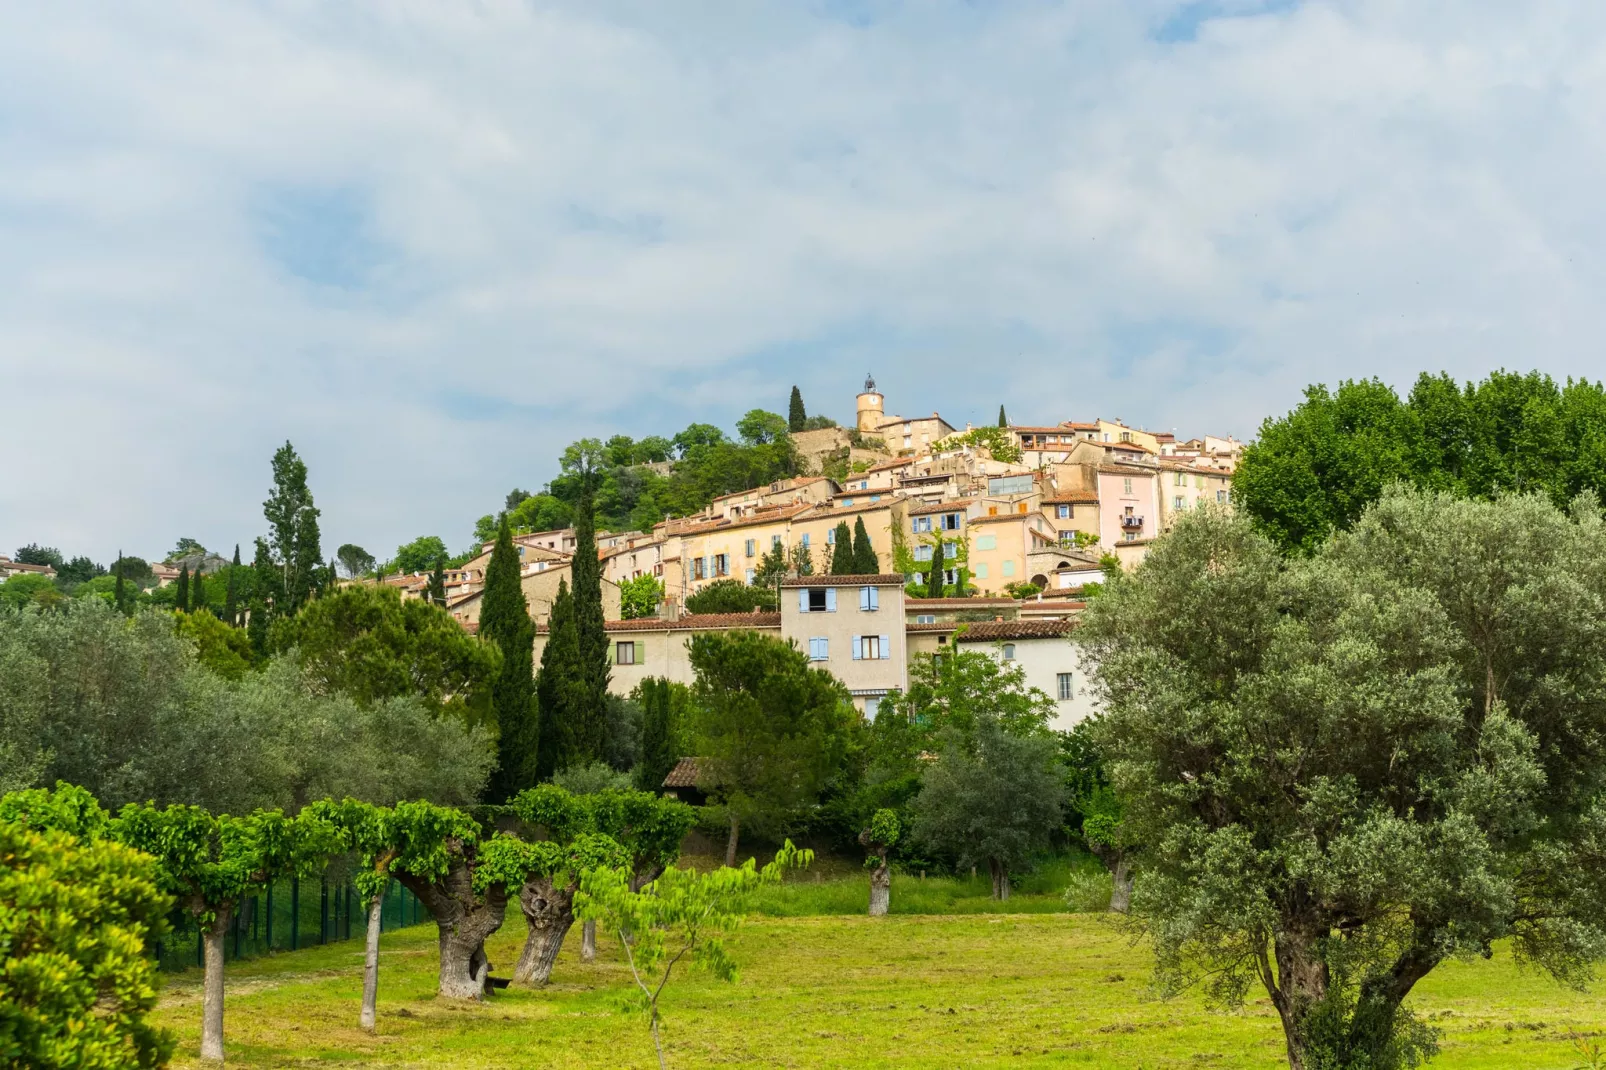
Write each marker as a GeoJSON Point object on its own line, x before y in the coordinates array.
{"type": "Point", "coordinates": [465, 922]}
{"type": "Point", "coordinates": [370, 967]}
{"type": "Point", "coordinates": [730, 844]}
{"type": "Point", "coordinates": [880, 885]}
{"type": "Point", "coordinates": [1121, 886]}
{"type": "Point", "coordinates": [1000, 874]}
{"type": "Point", "coordinates": [549, 911]}
{"type": "Point", "coordinates": [1300, 984]}
{"type": "Point", "coordinates": [212, 987]}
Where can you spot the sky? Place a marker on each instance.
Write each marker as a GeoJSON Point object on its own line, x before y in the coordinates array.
{"type": "Point", "coordinates": [431, 243]}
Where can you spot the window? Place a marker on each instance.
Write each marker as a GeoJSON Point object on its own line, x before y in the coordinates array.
{"type": "Point", "coordinates": [750, 575]}
{"type": "Point", "coordinates": [920, 524]}
{"type": "Point", "coordinates": [1009, 651]}
{"type": "Point", "coordinates": [986, 542]}
{"type": "Point", "coordinates": [922, 553]}
{"type": "Point", "coordinates": [819, 649]}
{"type": "Point", "coordinates": [872, 647]}
{"type": "Point", "coordinates": [1179, 480]}
{"type": "Point", "coordinates": [950, 521]}
{"type": "Point", "coordinates": [1126, 487]}
{"type": "Point", "coordinates": [1063, 512]}
{"type": "Point", "coordinates": [1179, 502]}
{"type": "Point", "coordinates": [950, 576]}
{"type": "Point", "coordinates": [817, 600]}
{"type": "Point", "coordinates": [830, 536]}
{"type": "Point", "coordinates": [1221, 496]}
{"type": "Point", "coordinates": [1063, 681]}
{"type": "Point", "coordinates": [981, 570]}
{"type": "Point", "coordinates": [1009, 568]}
{"type": "Point", "coordinates": [869, 599]}
{"type": "Point", "coordinates": [751, 547]}
{"type": "Point", "coordinates": [941, 640]}
{"type": "Point", "coordinates": [775, 540]}
{"type": "Point", "coordinates": [521, 551]}
{"type": "Point", "coordinates": [722, 565]}
{"type": "Point", "coordinates": [1126, 436]}
{"type": "Point", "coordinates": [847, 501]}
{"type": "Point", "coordinates": [1130, 536]}
{"type": "Point", "coordinates": [1020, 507]}
{"type": "Point", "coordinates": [872, 706]}
{"type": "Point", "coordinates": [874, 498]}
{"type": "Point", "coordinates": [864, 484]}
{"type": "Point", "coordinates": [699, 568]}
{"type": "Point", "coordinates": [629, 653]}
{"type": "Point", "coordinates": [925, 618]}
{"type": "Point", "coordinates": [805, 540]}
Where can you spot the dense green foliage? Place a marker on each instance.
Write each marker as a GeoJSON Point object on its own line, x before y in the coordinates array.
{"type": "Point", "coordinates": [640, 597]}
{"type": "Point", "coordinates": [733, 596]}
{"type": "Point", "coordinates": [1314, 471]}
{"type": "Point", "coordinates": [865, 562]}
{"type": "Point", "coordinates": [995, 440]}
{"type": "Point", "coordinates": [664, 706]}
{"type": "Point", "coordinates": [76, 918]}
{"type": "Point", "coordinates": [126, 708]}
{"type": "Point", "coordinates": [355, 559]}
{"type": "Point", "coordinates": [586, 719]}
{"type": "Point", "coordinates": [292, 531]}
{"type": "Point", "coordinates": [555, 686]}
{"type": "Point", "coordinates": [797, 418]}
{"type": "Point", "coordinates": [420, 555]}
{"type": "Point", "coordinates": [1362, 763]}
{"type": "Point", "coordinates": [934, 585]}
{"type": "Point", "coordinates": [770, 731]}
{"type": "Point", "coordinates": [369, 643]}
{"type": "Point", "coordinates": [506, 625]}
{"type": "Point", "coordinates": [842, 562]}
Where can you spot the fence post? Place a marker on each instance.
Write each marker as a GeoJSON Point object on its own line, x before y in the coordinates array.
{"type": "Point", "coordinates": [269, 925]}
{"type": "Point", "coordinates": [295, 913]}
{"type": "Point", "coordinates": [323, 910]}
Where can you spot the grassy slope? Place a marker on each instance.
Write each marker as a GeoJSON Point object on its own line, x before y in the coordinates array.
{"type": "Point", "coordinates": [968, 989]}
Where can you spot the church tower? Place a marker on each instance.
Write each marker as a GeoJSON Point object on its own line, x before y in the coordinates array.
{"type": "Point", "coordinates": [872, 407]}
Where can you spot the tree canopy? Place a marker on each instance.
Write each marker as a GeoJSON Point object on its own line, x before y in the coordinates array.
{"type": "Point", "coordinates": [1358, 764]}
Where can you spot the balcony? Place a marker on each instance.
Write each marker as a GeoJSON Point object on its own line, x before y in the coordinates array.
{"type": "Point", "coordinates": [1131, 523]}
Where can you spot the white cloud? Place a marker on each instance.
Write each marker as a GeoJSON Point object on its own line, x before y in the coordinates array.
{"type": "Point", "coordinates": [517, 223]}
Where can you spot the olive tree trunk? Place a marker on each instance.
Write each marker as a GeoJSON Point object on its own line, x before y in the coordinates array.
{"type": "Point", "coordinates": [549, 911]}
{"type": "Point", "coordinates": [465, 921]}
{"type": "Point", "coordinates": [880, 885]}
{"type": "Point", "coordinates": [212, 987]}
{"type": "Point", "coordinates": [370, 966]}
{"type": "Point", "coordinates": [1121, 886]}
{"type": "Point", "coordinates": [1000, 874]}
{"type": "Point", "coordinates": [588, 942]}
{"type": "Point", "coordinates": [730, 844]}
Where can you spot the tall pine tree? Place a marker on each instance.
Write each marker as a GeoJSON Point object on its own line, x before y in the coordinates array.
{"type": "Point", "coordinates": [842, 563]}
{"type": "Point", "coordinates": [590, 713]}
{"type": "Point", "coordinates": [796, 418]}
{"type": "Point", "coordinates": [182, 599]}
{"type": "Point", "coordinates": [437, 583]}
{"type": "Point", "coordinates": [231, 598]}
{"type": "Point", "coordinates": [505, 622]}
{"type": "Point", "coordinates": [118, 592]}
{"type": "Point", "coordinates": [198, 591]}
{"type": "Point", "coordinates": [865, 562]}
{"type": "Point", "coordinates": [556, 686]}
{"type": "Point", "coordinates": [1002, 421]}
{"type": "Point", "coordinates": [934, 586]}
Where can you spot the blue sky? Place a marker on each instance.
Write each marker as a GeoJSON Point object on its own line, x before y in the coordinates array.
{"type": "Point", "coordinates": [432, 243]}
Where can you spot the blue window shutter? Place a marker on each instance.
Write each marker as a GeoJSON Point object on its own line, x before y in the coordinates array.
{"type": "Point", "coordinates": [886, 647]}
{"type": "Point", "coordinates": [875, 598]}
{"type": "Point", "coordinates": [864, 597]}
{"type": "Point", "coordinates": [830, 599]}
{"type": "Point", "coordinates": [855, 648]}
{"type": "Point", "coordinates": [803, 600]}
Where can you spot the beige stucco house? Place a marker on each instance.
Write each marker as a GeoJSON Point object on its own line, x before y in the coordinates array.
{"type": "Point", "coordinates": [540, 585]}
{"type": "Point", "coordinates": [853, 627]}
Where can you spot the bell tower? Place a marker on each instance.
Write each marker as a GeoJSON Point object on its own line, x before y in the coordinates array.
{"type": "Point", "coordinates": [872, 407]}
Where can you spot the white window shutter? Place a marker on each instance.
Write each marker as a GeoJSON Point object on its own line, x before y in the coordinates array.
{"type": "Point", "coordinates": [830, 599]}
{"type": "Point", "coordinates": [886, 647]}
{"type": "Point", "coordinates": [856, 647]}
{"type": "Point", "coordinates": [803, 600]}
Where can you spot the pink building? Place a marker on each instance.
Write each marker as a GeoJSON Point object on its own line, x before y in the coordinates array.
{"type": "Point", "coordinates": [1129, 508]}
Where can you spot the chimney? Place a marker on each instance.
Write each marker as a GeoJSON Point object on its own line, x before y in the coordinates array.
{"type": "Point", "coordinates": [669, 610]}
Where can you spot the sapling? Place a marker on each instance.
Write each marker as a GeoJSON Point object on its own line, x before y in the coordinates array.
{"type": "Point", "coordinates": [681, 915]}
{"type": "Point", "coordinates": [371, 832]}
{"type": "Point", "coordinates": [878, 839]}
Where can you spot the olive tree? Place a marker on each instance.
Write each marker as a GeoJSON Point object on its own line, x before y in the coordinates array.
{"type": "Point", "coordinates": [78, 912]}
{"type": "Point", "coordinates": [1349, 768]}
{"type": "Point", "coordinates": [547, 896]}
{"type": "Point", "coordinates": [879, 838]}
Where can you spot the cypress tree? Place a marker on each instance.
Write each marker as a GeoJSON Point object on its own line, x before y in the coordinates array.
{"type": "Point", "coordinates": [231, 605]}
{"type": "Point", "coordinates": [182, 600]}
{"type": "Point", "coordinates": [437, 583]}
{"type": "Point", "coordinates": [865, 562]}
{"type": "Point", "coordinates": [590, 713]}
{"type": "Point", "coordinates": [265, 589]}
{"type": "Point", "coordinates": [1002, 422]}
{"type": "Point", "coordinates": [556, 686]}
{"type": "Point", "coordinates": [796, 418]}
{"type": "Point", "coordinates": [505, 622]}
{"type": "Point", "coordinates": [658, 755]}
{"type": "Point", "coordinates": [117, 588]}
{"type": "Point", "coordinates": [934, 586]}
{"type": "Point", "coordinates": [197, 591]}
{"type": "Point", "coordinates": [842, 562]}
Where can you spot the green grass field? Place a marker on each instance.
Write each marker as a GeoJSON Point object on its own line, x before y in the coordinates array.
{"type": "Point", "coordinates": [959, 988]}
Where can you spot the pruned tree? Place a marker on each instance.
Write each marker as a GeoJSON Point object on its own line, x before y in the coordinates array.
{"type": "Point", "coordinates": [209, 863]}
{"type": "Point", "coordinates": [879, 838]}
{"type": "Point", "coordinates": [1351, 767]}
{"type": "Point", "coordinates": [681, 916]}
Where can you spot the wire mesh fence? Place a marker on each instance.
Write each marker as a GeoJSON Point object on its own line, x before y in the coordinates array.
{"type": "Point", "coordinates": [290, 914]}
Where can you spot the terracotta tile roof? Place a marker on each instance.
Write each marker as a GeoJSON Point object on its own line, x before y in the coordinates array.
{"type": "Point", "coordinates": [17, 566]}
{"type": "Point", "coordinates": [937, 626]}
{"type": "Point", "coordinates": [763, 516]}
{"type": "Point", "coordinates": [693, 622]}
{"type": "Point", "coordinates": [914, 604]}
{"type": "Point", "coordinates": [1073, 497]}
{"type": "Point", "coordinates": [896, 462]}
{"type": "Point", "coordinates": [834, 509]}
{"type": "Point", "coordinates": [956, 505]}
{"type": "Point", "coordinates": [991, 631]}
{"type": "Point", "coordinates": [1126, 470]}
{"type": "Point", "coordinates": [684, 775]}
{"type": "Point", "coordinates": [1001, 517]}
{"type": "Point", "coordinates": [894, 579]}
